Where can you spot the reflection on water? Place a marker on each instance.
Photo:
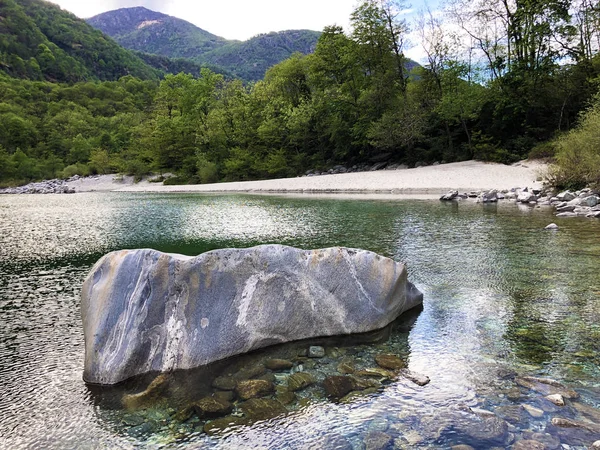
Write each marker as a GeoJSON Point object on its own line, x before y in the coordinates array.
{"type": "Point", "coordinates": [503, 299]}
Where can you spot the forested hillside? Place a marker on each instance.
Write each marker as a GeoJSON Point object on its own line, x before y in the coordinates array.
{"type": "Point", "coordinates": [249, 60]}
{"type": "Point", "coordinates": [40, 41]}
{"type": "Point", "coordinates": [155, 33]}
{"type": "Point", "coordinates": [352, 100]}
{"type": "Point", "coordinates": [152, 32]}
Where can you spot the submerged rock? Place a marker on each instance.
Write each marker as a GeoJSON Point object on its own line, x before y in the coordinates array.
{"type": "Point", "coordinates": [279, 364]}
{"type": "Point", "coordinates": [209, 407]}
{"type": "Point", "coordinates": [149, 396]}
{"type": "Point", "coordinates": [262, 408]}
{"type": "Point", "coordinates": [316, 351]}
{"type": "Point", "coordinates": [254, 388]}
{"type": "Point", "coordinates": [417, 378]}
{"type": "Point", "coordinates": [391, 362]}
{"type": "Point", "coordinates": [145, 311]}
{"type": "Point", "coordinates": [300, 380]}
{"type": "Point", "coordinates": [337, 386]}
{"type": "Point", "coordinates": [377, 440]}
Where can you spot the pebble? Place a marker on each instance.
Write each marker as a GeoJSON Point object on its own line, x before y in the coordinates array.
{"type": "Point", "coordinates": [316, 352]}
{"type": "Point", "coordinates": [557, 399]}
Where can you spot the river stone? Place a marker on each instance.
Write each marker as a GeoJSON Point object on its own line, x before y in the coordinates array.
{"type": "Point", "coordinates": [565, 196]}
{"type": "Point", "coordinates": [224, 383]}
{"type": "Point", "coordinates": [528, 444]}
{"type": "Point", "coordinates": [286, 397]}
{"type": "Point", "coordinates": [557, 399]}
{"type": "Point", "coordinates": [145, 311]}
{"type": "Point", "coordinates": [337, 386]}
{"type": "Point", "coordinates": [254, 388]}
{"type": "Point", "coordinates": [449, 196]}
{"type": "Point", "coordinates": [377, 440]}
{"type": "Point", "coordinates": [546, 386]}
{"type": "Point", "coordinates": [376, 372]}
{"type": "Point", "coordinates": [391, 362]}
{"type": "Point", "coordinates": [210, 407]}
{"type": "Point", "coordinates": [487, 431]}
{"type": "Point", "coordinates": [300, 380]}
{"type": "Point", "coordinates": [149, 396]}
{"type": "Point", "coordinates": [262, 408]}
{"type": "Point", "coordinates": [279, 364]}
{"type": "Point", "coordinates": [417, 378]}
{"type": "Point", "coordinates": [316, 351]}
{"type": "Point", "coordinates": [550, 442]}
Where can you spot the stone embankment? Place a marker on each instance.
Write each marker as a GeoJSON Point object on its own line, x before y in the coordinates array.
{"type": "Point", "coordinates": [55, 186]}
{"type": "Point", "coordinates": [583, 203]}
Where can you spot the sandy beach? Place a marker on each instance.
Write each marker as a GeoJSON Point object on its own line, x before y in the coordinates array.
{"type": "Point", "coordinates": [431, 180]}
{"type": "Point", "coordinates": [423, 181]}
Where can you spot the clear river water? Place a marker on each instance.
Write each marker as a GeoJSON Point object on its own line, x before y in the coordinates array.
{"type": "Point", "coordinates": [504, 300]}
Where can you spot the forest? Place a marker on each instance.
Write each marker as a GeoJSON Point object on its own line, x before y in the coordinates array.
{"type": "Point", "coordinates": [504, 80]}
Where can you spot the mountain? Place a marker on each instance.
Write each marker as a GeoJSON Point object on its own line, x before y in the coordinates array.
{"type": "Point", "coordinates": [38, 40]}
{"type": "Point", "coordinates": [250, 60]}
{"type": "Point", "coordinates": [151, 32]}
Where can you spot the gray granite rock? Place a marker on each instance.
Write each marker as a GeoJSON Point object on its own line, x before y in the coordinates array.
{"type": "Point", "coordinates": [145, 311]}
{"type": "Point", "coordinates": [590, 201]}
{"type": "Point", "coordinates": [565, 196]}
{"type": "Point", "coordinates": [449, 196]}
{"type": "Point", "coordinates": [526, 197]}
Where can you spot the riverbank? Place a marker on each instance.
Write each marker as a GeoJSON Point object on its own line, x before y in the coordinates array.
{"type": "Point", "coordinates": [423, 182]}
{"type": "Point", "coordinates": [431, 180]}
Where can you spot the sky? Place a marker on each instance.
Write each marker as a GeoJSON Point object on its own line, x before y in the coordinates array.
{"type": "Point", "coordinates": [242, 19]}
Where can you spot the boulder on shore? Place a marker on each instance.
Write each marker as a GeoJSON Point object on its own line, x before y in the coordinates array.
{"type": "Point", "coordinates": [146, 311]}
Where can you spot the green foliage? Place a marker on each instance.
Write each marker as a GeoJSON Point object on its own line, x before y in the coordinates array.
{"type": "Point", "coordinates": [75, 169]}
{"type": "Point", "coordinates": [578, 152]}
{"type": "Point", "coordinates": [355, 99]}
{"type": "Point", "coordinates": [39, 41]}
{"type": "Point", "coordinates": [207, 170]}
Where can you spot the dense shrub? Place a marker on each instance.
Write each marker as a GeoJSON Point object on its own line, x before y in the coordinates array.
{"type": "Point", "coordinates": [578, 153]}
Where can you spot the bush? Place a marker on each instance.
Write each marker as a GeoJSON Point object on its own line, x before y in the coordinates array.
{"type": "Point", "coordinates": [136, 168]}
{"type": "Point", "coordinates": [207, 170]}
{"type": "Point", "coordinates": [544, 150]}
{"type": "Point", "coordinates": [578, 153]}
{"type": "Point", "coordinates": [75, 169]}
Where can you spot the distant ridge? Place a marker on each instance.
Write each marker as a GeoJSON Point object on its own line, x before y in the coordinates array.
{"type": "Point", "coordinates": [152, 32]}
{"type": "Point", "coordinates": [156, 33]}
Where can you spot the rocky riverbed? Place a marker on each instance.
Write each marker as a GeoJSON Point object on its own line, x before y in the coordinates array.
{"type": "Point", "coordinates": [55, 186]}
{"type": "Point", "coordinates": [582, 203]}
{"type": "Point", "coordinates": [522, 412]}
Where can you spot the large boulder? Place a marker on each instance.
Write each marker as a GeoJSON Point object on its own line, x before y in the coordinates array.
{"type": "Point", "coordinates": [146, 311]}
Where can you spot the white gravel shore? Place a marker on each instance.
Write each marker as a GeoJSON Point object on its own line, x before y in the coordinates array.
{"type": "Point", "coordinates": [424, 181]}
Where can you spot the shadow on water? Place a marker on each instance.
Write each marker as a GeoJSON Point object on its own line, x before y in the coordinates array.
{"type": "Point", "coordinates": [154, 402]}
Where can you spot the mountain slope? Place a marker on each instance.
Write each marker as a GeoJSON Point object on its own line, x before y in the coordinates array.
{"type": "Point", "coordinates": [152, 32]}
{"type": "Point", "coordinates": [38, 40]}
{"type": "Point", "coordinates": [250, 60]}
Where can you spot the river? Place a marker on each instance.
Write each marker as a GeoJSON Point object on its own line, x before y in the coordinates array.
{"type": "Point", "coordinates": [503, 299]}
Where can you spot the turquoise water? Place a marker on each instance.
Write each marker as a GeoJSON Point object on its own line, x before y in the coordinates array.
{"type": "Point", "coordinates": [503, 297]}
